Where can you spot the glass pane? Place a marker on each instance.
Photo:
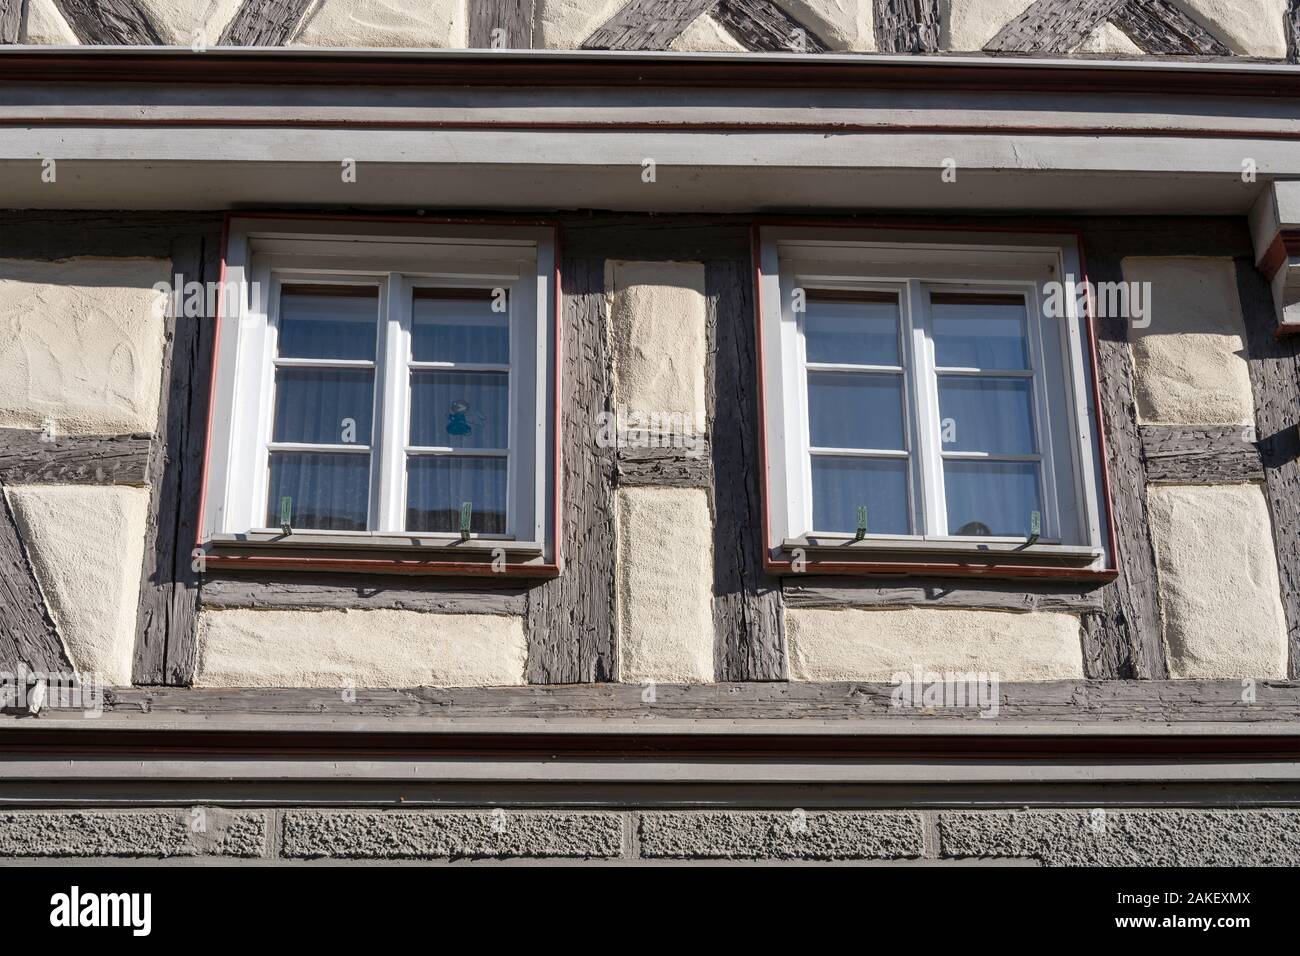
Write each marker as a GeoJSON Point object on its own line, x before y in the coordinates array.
{"type": "Point", "coordinates": [842, 485]}
{"type": "Point", "coordinates": [993, 415]}
{"type": "Point", "coordinates": [459, 330]}
{"type": "Point", "coordinates": [437, 486]}
{"type": "Point", "coordinates": [325, 491]}
{"type": "Point", "coordinates": [972, 331]}
{"type": "Point", "coordinates": [460, 409]}
{"type": "Point", "coordinates": [991, 497]}
{"type": "Point", "coordinates": [337, 322]}
{"type": "Point", "coordinates": [852, 333]}
{"type": "Point", "coordinates": [323, 406]}
{"type": "Point", "coordinates": [851, 410]}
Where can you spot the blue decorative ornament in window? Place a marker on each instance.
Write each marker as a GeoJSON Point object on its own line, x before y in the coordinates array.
{"type": "Point", "coordinates": [458, 419]}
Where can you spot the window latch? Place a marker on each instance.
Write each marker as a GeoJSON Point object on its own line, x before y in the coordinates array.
{"type": "Point", "coordinates": [286, 515]}
{"type": "Point", "coordinates": [862, 524]}
{"type": "Point", "coordinates": [466, 512]}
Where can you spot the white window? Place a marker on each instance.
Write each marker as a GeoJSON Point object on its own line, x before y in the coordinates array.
{"type": "Point", "coordinates": [922, 399]}
{"type": "Point", "coordinates": [383, 387]}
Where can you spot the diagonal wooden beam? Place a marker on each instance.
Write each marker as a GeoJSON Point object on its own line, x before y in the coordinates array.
{"type": "Point", "coordinates": [1157, 26]}
{"type": "Point", "coordinates": [265, 22]}
{"type": "Point", "coordinates": [647, 24]}
{"type": "Point", "coordinates": [907, 26]}
{"type": "Point", "coordinates": [1052, 26]}
{"type": "Point", "coordinates": [513, 18]}
{"type": "Point", "coordinates": [11, 19]}
{"type": "Point", "coordinates": [27, 633]}
{"type": "Point", "coordinates": [763, 27]}
{"type": "Point", "coordinates": [109, 22]}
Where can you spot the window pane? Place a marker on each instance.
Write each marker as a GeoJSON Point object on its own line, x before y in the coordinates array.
{"type": "Point", "coordinates": [974, 331]}
{"type": "Point", "coordinates": [842, 485]}
{"type": "Point", "coordinates": [436, 487]}
{"type": "Point", "coordinates": [460, 409]}
{"type": "Point", "coordinates": [335, 322]}
{"type": "Point", "coordinates": [464, 329]}
{"type": "Point", "coordinates": [323, 406]}
{"type": "Point", "coordinates": [993, 415]}
{"type": "Point", "coordinates": [851, 333]}
{"type": "Point", "coordinates": [326, 491]}
{"type": "Point", "coordinates": [991, 497]}
{"type": "Point", "coordinates": [850, 410]}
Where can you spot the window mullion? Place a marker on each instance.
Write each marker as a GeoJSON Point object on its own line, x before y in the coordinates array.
{"type": "Point", "coordinates": [388, 465]}
{"type": "Point", "coordinates": [928, 451]}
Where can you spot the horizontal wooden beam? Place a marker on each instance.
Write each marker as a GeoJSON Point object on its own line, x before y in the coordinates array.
{"type": "Point", "coordinates": [30, 457]}
{"type": "Point", "coordinates": [1200, 454]}
{"type": "Point", "coordinates": [287, 590]}
{"type": "Point", "coordinates": [814, 592]}
{"type": "Point", "coordinates": [669, 467]}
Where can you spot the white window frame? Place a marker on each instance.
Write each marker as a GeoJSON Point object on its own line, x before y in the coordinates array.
{"type": "Point", "coordinates": [911, 265]}
{"type": "Point", "coordinates": [264, 255]}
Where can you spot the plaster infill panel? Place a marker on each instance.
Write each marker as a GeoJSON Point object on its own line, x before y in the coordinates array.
{"type": "Point", "coordinates": [1189, 361]}
{"type": "Point", "coordinates": [43, 24]}
{"type": "Point", "coordinates": [358, 648]}
{"type": "Point", "coordinates": [969, 24]}
{"type": "Point", "coordinates": [1247, 27]}
{"type": "Point", "coordinates": [192, 23]}
{"type": "Point", "coordinates": [1219, 591]}
{"type": "Point", "coordinates": [874, 645]}
{"type": "Point", "coordinates": [705, 35]}
{"type": "Point", "coordinates": [658, 328]}
{"type": "Point", "coordinates": [81, 344]}
{"type": "Point", "coordinates": [565, 24]}
{"type": "Point", "coordinates": [1108, 38]}
{"type": "Point", "coordinates": [665, 585]}
{"type": "Point", "coordinates": [845, 25]}
{"type": "Point", "coordinates": [86, 545]}
{"type": "Point", "coordinates": [437, 24]}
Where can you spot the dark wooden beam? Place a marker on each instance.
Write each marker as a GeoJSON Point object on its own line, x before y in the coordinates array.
{"type": "Point", "coordinates": [939, 592]}
{"type": "Point", "coordinates": [1292, 28]}
{"type": "Point", "coordinates": [167, 617]}
{"type": "Point", "coordinates": [764, 27]}
{"type": "Point", "coordinates": [1157, 26]}
{"type": "Point", "coordinates": [396, 592]}
{"type": "Point", "coordinates": [1200, 454]}
{"type": "Point", "coordinates": [907, 26]}
{"type": "Point", "coordinates": [664, 467]}
{"type": "Point", "coordinates": [28, 635]}
{"type": "Point", "coordinates": [11, 20]}
{"type": "Point", "coordinates": [570, 619]}
{"type": "Point", "coordinates": [1052, 26]}
{"type": "Point", "coordinates": [109, 22]}
{"type": "Point", "coordinates": [1275, 380]}
{"type": "Point", "coordinates": [647, 24]}
{"type": "Point", "coordinates": [28, 457]}
{"type": "Point", "coordinates": [265, 22]}
{"type": "Point", "coordinates": [514, 18]}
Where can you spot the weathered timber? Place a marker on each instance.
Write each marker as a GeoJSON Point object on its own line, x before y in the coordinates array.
{"type": "Point", "coordinates": [1274, 366]}
{"type": "Point", "coordinates": [284, 590]}
{"type": "Point", "coordinates": [501, 24]}
{"type": "Point", "coordinates": [647, 24]}
{"type": "Point", "coordinates": [764, 27]}
{"type": "Point", "coordinates": [1157, 26]}
{"type": "Point", "coordinates": [265, 22]}
{"type": "Point", "coordinates": [1200, 454]}
{"type": "Point", "coordinates": [749, 626]}
{"type": "Point", "coordinates": [1292, 28]}
{"type": "Point", "coordinates": [1052, 26]}
{"type": "Point", "coordinates": [830, 592]}
{"type": "Point", "coordinates": [11, 20]}
{"type": "Point", "coordinates": [1135, 703]}
{"type": "Point", "coordinates": [167, 617]}
{"type": "Point", "coordinates": [31, 457]}
{"type": "Point", "coordinates": [570, 619]}
{"type": "Point", "coordinates": [109, 22]}
{"type": "Point", "coordinates": [28, 635]}
{"type": "Point", "coordinates": [60, 234]}
{"type": "Point", "coordinates": [907, 26]}
{"type": "Point", "coordinates": [665, 467]}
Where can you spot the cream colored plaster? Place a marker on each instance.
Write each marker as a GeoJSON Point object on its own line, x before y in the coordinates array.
{"type": "Point", "coordinates": [565, 24]}
{"type": "Point", "coordinates": [370, 648]}
{"type": "Point", "coordinates": [86, 545]}
{"type": "Point", "coordinates": [873, 645]}
{"type": "Point", "coordinates": [1108, 38]}
{"type": "Point", "coordinates": [844, 24]}
{"type": "Point", "coordinates": [659, 336]}
{"type": "Point", "coordinates": [969, 24]}
{"type": "Point", "coordinates": [665, 585]}
{"type": "Point", "coordinates": [384, 23]}
{"type": "Point", "coordinates": [192, 23]}
{"type": "Point", "coordinates": [1248, 27]}
{"type": "Point", "coordinates": [1189, 361]}
{"type": "Point", "coordinates": [44, 24]}
{"type": "Point", "coordinates": [705, 35]}
{"type": "Point", "coordinates": [1219, 592]}
{"type": "Point", "coordinates": [81, 344]}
